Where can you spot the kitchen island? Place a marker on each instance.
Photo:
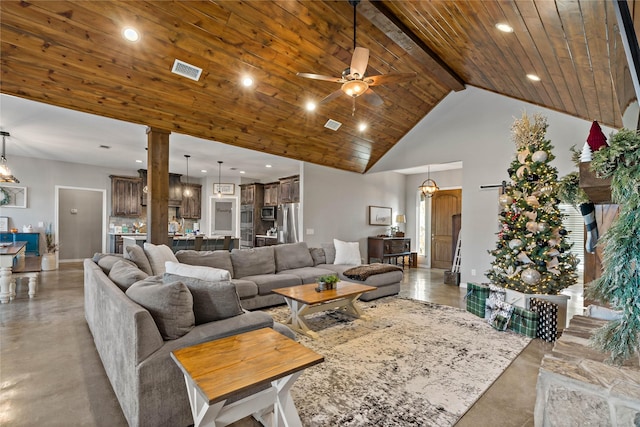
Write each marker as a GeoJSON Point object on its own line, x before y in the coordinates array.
{"type": "Point", "coordinates": [183, 242]}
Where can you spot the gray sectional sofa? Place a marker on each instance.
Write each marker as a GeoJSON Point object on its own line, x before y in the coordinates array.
{"type": "Point", "coordinates": [256, 272]}
{"type": "Point", "coordinates": [135, 328]}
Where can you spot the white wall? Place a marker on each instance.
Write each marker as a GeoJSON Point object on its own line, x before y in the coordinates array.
{"type": "Point", "coordinates": [474, 126]}
{"type": "Point", "coordinates": [336, 203]}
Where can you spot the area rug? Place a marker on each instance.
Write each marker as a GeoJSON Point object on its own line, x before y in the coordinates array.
{"type": "Point", "coordinates": [411, 363]}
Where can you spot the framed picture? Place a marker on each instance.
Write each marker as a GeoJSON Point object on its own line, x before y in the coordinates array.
{"type": "Point", "coordinates": [13, 197]}
{"type": "Point", "coordinates": [379, 215]}
{"type": "Point", "coordinates": [225, 189]}
{"type": "Point", "coordinates": [4, 224]}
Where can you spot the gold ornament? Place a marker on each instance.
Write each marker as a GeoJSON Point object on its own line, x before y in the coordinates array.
{"type": "Point", "coordinates": [522, 156]}
{"type": "Point", "coordinates": [533, 201]}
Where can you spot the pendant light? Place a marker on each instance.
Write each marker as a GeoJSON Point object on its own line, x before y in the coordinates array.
{"type": "Point", "coordinates": [5, 172]}
{"type": "Point", "coordinates": [428, 186]}
{"type": "Point", "coordinates": [219, 172]}
{"type": "Point", "coordinates": [187, 191]}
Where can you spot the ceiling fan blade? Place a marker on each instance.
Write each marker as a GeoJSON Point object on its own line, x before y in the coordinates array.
{"type": "Point", "coordinates": [391, 78]}
{"type": "Point", "coordinates": [320, 77]}
{"type": "Point", "coordinates": [359, 62]}
{"type": "Point", "coordinates": [331, 96]}
{"type": "Point", "coordinates": [372, 98]}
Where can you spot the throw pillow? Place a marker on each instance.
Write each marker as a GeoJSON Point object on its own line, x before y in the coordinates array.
{"type": "Point", "coordinates": [317, 254]}
{"type": "Point", "coordinates": [199, 272]}
{"type": "Point", "coordinates": [107, 261]}
{"type": "Point", "coordinates": [137, 255]}
{"type": "Point", "coordinates": [170, 305]}
{"type": "Point", "coordinates": [253, 262]}
{"type": "Point", "coordinates": [215, 259]}
{"type": "Point", "coordinates": [211, 300]}
{"type": "Point", "coordinates": [347, 253]}
{"type": "Point", "coordinates": [158, 255]}
{"type": "Point", "coordinates": [292, 255]}
{"type": "Point", "coordinates": [124, 274]}
{"type": "Point", "coordinates": [329, 252]}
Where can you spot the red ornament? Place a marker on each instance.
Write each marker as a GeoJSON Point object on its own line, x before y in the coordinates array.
{"type": "Point", "coordinates": [596, 138]}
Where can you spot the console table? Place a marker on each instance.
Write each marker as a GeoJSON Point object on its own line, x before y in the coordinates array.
{"type": "Point", "coordinates": [32, 239]}
{"type": "Point", "coordinates": [382, 248]}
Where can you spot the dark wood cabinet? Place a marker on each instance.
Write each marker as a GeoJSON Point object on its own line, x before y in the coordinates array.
{"type": "Point", "coordinates": [271, 191]}
{"type": "Point", "coordinates": [289, 189]}
{"type": "Point", "coordinates": [252, 194]}
{"type": "Point", "coordinates": [381, 248]}
{"type": "Point", "coordinates": [265, 241]}
{"type": "Point", "coordinates": [191, 207]}
{"type": "Point", "coordinates": [175, 189]}
{"type": "Point", "coordinates": [126, 193]}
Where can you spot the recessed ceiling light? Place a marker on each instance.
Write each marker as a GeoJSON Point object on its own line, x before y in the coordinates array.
{"type": "Point", "coordinates": [130, 34]}
{"type": "Point", "coordinates": [203, 170]}
{"type": "Point", "coordinates": [267, 166]}
{"type": "Point", "coordinates": [533, 77]}
{"type": "Point", "coordinates": [311, 106]}
{"type": "Point", "coordinates": [242, 172]}
{"type": "Point", "coordinates": [362, 127]}
{"type": "Point", "coordinates": [138, 161]}
{"type": "Point", "coordinates": [505, 28]}
{"type": "Point", "coordinates": [247, 81]}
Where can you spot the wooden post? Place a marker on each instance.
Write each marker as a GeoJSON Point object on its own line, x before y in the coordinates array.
{"type": "Point", "coordinates": [158, 186]}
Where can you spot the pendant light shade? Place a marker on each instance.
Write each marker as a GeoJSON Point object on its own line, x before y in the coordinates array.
{"type": "Point", "coordinates": [428, 186]}
{"type": "Point", "coordinates": [5, 172]}
{"type": "Point", "coordinates": [219, 175]}
{"type": "Point", "coordinates": [187, 191]}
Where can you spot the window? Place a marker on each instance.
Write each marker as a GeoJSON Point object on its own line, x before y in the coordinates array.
{"type": "Point", "coordinates": [574, 223]}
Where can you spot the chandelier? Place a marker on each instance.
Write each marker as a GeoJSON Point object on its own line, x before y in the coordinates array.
{"type": "Point", "coordinates": [428, 186]}
{"type": "Point", "coordinates": [5, 172]}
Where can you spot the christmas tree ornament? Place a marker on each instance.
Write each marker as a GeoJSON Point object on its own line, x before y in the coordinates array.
{"type": "Point", "coordinates": [515, 243]}
{"type": "Point", "coordinates": [539, 156]}
{"type": "Point", "coordinates": [522, 156]}
{"type": "Point", "coordinates": [531, 215]}
{"type": "Point", "coordinates": [585, 155]}
{"type": "Point", "coordinates": [596, 138]}
{"type": "Point", "coordinates": [530, 276]}
{"type": "Point", "coordinates": [521, 171]}
{"type": "Point", "coordinates": [546, 189]}
{"type": "Point", "coordinates": [533, 201]}
{"type": "Point", "coordinates": [543, 227]}
{"type": "Point", "coordinates": [505, 199]}
{"type": "Point", "coordinates": [563, 232]}
{"type": "Point", "coordinates": [532, 226]}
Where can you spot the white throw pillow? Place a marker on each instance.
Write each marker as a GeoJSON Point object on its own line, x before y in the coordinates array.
{"type": "Point", "coordinates": [347, 253]}
{"type": "Point", "coordinates": [201, 272]}
{"type": "Point", "coordinates": [158, 255]}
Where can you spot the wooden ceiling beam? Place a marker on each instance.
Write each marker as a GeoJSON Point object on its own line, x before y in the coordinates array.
{"type": "Point", "coordinates": [379, 14]}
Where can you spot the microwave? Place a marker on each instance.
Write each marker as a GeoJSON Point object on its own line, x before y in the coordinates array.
{"type": "Point", "coordinates": [268, 213]}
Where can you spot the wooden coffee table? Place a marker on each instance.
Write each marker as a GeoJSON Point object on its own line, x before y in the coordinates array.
{"type": "Point", "coordinates": [304, 300]}
{"type": "Point", "coordinates": [216, 370]}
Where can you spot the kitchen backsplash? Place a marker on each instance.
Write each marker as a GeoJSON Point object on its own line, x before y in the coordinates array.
{"type": "Point", "coordinates": [132, 223]}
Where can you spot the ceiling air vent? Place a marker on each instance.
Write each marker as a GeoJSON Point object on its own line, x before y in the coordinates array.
{"type": "Point", "coordinates": [186, 70]}
{"type": "Point", "coordinates": [332, 124]}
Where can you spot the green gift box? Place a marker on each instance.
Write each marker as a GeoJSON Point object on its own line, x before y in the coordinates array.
{"type": "Point", "coordinates": [477, 294]}
{"type": "Point", "coordinates": [524, 322]}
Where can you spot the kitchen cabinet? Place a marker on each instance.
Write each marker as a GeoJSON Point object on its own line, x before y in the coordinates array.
{"type": "Point", "coordinates": [115, 243]}
{"type": "Point", "coordinates": [265, 241]}
{"type": "Point", "coordinates": [252, 194]}
{"type": "Point", "coordinates": [175, 189]}
{"type": "Point", "coordinates": [271, 194]}
{"type": "Point", "coordinates": [290, 189]}
{"type": "Point", "coordinates": [126, 193]}
{"type": "Point", "coordinates": [191, 205]}
{"type": "Point", "coordinates": [388, 247]}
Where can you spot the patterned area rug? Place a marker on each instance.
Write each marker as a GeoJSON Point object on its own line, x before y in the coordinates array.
{"type": "Point", "coordinates": [411, 363]}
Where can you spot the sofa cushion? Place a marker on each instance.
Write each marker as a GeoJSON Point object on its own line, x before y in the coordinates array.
{"type": "Point", "coordinates": [245, 288]}
{"type": "Point", "coordinates": [252, 262]}
{"type": "Point", "coordinates": [209, 274]}
{"type": "Point", "coordinates": [308, 274]}
{"type": "Point", "coordinates": [158, 255]}
{"type": "Point", "coordinates": [170, 305]}
{"type": "Point", "coordinates": [211, 300]}
{"type": "Point", "coordinates": [317, 254]}
{"type": "Point", "coordinates": [107, 261]}
{"type": "Point", "coordinates": [137, 255]}
{"type": "Point", "coordinates": [216, 259]}
{"type": "Point", "coordinates": [124, 274]}
{"type": "Point", "coordinates": [329, 252]}
{"type": "Point", "coordinates": [347, 253]}
{"type": "Point", "coordinates": [267, 282]}
{"type": "Point", "coordinates": [292, 255]}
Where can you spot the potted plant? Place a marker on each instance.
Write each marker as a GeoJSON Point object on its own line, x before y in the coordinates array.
{"type": "Point", "coordinates": [327, 282]}
{"type": "Point", "coordinates": [49, 259]}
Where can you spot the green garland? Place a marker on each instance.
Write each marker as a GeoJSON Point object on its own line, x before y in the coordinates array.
{"type": "Point", "coordinates": [4, 196]}
{"type": "Point", "coordinates": [619, 284]}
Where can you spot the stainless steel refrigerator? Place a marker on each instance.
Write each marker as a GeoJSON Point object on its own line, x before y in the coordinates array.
{"type": "Point", "coordinates": [289, 223]}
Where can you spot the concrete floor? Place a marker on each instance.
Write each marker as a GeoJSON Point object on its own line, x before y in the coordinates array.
{"type": "Point", "coordinates": [51, 375]}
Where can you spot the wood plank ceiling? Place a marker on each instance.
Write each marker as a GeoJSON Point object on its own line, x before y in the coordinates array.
{"type": "Point", "coordinates": [71, 54]}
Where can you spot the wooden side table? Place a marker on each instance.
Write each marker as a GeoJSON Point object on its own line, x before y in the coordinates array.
{"type": "Point", "coordinates": [217, 370]}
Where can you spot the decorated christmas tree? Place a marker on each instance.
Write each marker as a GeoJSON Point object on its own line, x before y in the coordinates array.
{"type": "Point", "coordinates": [532, 253]}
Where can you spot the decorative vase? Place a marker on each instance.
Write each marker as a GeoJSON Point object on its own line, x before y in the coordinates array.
{"type": "Point", "coordinates": [49, 262]}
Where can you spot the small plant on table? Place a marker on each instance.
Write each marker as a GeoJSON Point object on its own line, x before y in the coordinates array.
{"type": "Point", "coordinates": [327, 282]}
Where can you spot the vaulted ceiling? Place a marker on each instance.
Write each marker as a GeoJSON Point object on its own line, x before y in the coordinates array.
{"type": "Point", "coordinates": [72, 54]}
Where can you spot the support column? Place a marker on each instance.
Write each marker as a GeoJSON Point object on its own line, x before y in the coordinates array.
{"type": "Point", "coordinates": [158, 186]}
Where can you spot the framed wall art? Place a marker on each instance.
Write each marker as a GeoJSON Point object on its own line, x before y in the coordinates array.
{"type": "Point", "coordinates": [379, 215]}
{"type": "Point", "coordinates": [224, 189]}
{"type": "Point", "coordinates": [4, 224]}
{"type": "Point", "coordinates": [13, 197]}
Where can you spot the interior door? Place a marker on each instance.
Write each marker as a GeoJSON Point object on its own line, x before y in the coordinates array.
{"type": "Point", "coordinates": [81, 218]}
{"type": "Point", "coordinates": [444, 205]}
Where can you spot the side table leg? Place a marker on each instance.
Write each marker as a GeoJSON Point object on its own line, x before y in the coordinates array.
{"type": "Point", "coordinates": [297, 318]}
{"type": "Point", "coordinates": [285, 410]}
{"type": "Point", "coordinates": [12, 289]}
{"type": "Point", "coordinates": [33, 285]}
{"type": "Point", "coordinates": [5, 284]}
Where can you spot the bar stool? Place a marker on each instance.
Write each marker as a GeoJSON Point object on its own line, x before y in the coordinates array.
{"type": "Point", "coordinates": [197, 245]}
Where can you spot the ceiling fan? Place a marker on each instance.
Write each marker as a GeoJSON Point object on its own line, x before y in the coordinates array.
{"type": "Point", "coordinates": [353, 79]}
